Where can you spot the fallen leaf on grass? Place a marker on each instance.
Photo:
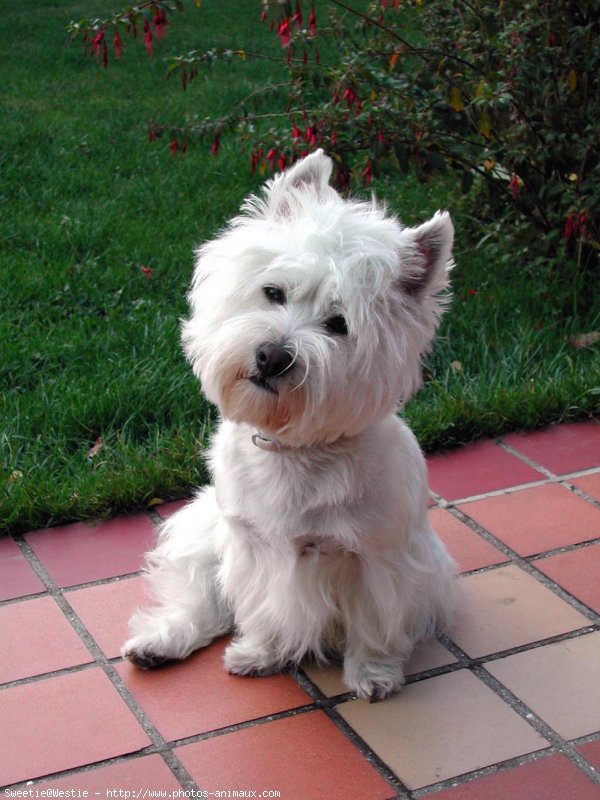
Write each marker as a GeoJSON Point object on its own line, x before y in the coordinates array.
{"type": "Point", "coordinates": [456, 366]}
{"type": "Point", "coordinates": [156, 501]}
{"type": "Point", "coordinates": [96, 447]}
{"type": "Point", "coordinates": [584, 339]}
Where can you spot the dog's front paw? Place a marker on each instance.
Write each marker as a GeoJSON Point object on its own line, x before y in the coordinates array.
{"type": "Point", "coordinates": [244, 658]}
{"type": "Point", "coordinates": [144, 652]}
{"type": "Point", "coordinates": [373, 680]}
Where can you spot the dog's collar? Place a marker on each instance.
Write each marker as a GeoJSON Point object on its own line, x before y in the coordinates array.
{"type": "Point", "coordinates": [264, 443]}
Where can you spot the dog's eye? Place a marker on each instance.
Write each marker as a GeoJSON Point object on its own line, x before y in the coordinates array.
{"type": "Point", "coordinates": [274, 294]}
{"type": "Point", "coordinates": [337, 325]}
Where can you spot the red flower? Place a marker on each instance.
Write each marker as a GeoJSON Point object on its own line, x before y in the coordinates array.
{"type": "Point", "coordinates": [117, 44]}
{"type": "Point", "coordinates": [333, 137]}
{"type": "Point", "coordinates": [368, 173]}
{"type": "Point", "coordinates": [281, 162]}
{"type": "Point", "coordinates": [271, 156]}
{"type": "Point", "coordinates": [283, 31]}
{"type": "Point", "coordinates": [148, 37]}
{"type": "Point", "coordinates": [147, 272]}
{"type": "Point", "coordinates": [159, 22]}
{"type": "Point", "coordinates": [174, 146]}
{"type": "Point", "coordinates": [295, 132]}
{"type": "Point", "coordinates": [104, 54]}
{"type": "Point", "coordinates": [473, 292]}
{"type": "Point", "coordinates": [297, 18]}
{"type": "Point", "coordinates": [312, 21]}
{"type": "Point", "coordinates": [349, 96]}
{"type": "Point", "coordinates": [263, 15]}
{"type": "Point", "coordinates": [97, 42]}
{"type": "Point", "coordinates": [215, 146]}
{"type": "Point", "coordinates": [513, 185]}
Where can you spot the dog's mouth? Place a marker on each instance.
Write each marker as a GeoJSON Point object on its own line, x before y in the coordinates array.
{"type": "Point", "coordinates": [262, 383]}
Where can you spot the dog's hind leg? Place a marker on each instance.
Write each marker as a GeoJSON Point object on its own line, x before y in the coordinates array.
{"type": "Point", "coordinates": [189, 610]}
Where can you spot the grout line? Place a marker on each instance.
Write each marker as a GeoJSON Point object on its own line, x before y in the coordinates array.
{"type": "Point", "coordinates": [525, 459]}
{"type": "Point", "coordinates": [67, 589]}
{"type": "Point", "coordinates": [526, 566]}
{"type": "Point", "coordinates": [442, 502]}
{"type": "Point", "coordinates": [327, 705]}
{"type": "Point", "coordinates": [559, 744]}
{"type": "Point", "coordinates": [556, 740]}
{"type": "Point", "coordinates": [107, 667]}
{"type": "Point", "coordinates": [484, 772]}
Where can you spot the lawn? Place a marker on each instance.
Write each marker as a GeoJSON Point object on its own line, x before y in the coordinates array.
{"type": "Point", "coordinates": [98, 227]}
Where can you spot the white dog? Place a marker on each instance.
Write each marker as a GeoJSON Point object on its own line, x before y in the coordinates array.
{"type": "Point", "coordinates": [309, 316]}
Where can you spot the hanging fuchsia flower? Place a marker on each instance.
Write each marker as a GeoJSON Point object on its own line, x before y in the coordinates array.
{"type": "Point", "coordinates": [148, 37]}
{"type": "Point", "coordinates": [281, 162]}
{"type": "Point", "coordinates": [159, 22]}
{"type": "Point", "coordinates": [104, 54]}
{"type": "Point", "coordinates": [368, 173]}
{"type": "Point", "coordinates": [295, 131]}
{"type": "Point", "coordinates": [297, 18]}
{"type": "Point", "coordinates": [147, 271]}
{"type": "Point", "coordinates": [215, 146]}
{"type": "Point", "coordinates": [283, 31]}
{"type": "Point", "coordinates": [117, 44]}
{"type": "Point", "coordinates": [349, 96]}
{"type": "Point", "coordinates": [312, 21]}
{"type": "Point", "coordinates": [333, 137]}
{"type": "Point", "coordinates": [96, 43]}
{"type": "Point", "coordinates": [174, 147]}
{"type": "Point", "coordinates": [513, 185]}
{"type": "Point", "coordinates": [271, 156]}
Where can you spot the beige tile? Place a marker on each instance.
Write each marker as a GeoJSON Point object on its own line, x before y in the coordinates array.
{"type": "Point", "coordinates": [559, 682]}
{"type": "Point", "coordinates": [427, 655]}
{"type": "Point", "coordinates": [505, 608]}
{"type": "Point", "coordinates": [441, 727]}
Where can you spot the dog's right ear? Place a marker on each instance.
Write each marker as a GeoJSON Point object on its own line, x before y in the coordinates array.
{"type": "Point", "coordinates": [309, 176]}
{"type": "Point", "coordinates": [313, 173]}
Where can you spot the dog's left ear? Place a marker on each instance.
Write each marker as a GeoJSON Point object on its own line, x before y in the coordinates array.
{"type": "Point", "coordinates": [311, 175]}
{"type": "Point", "coordinates": [426, 256]}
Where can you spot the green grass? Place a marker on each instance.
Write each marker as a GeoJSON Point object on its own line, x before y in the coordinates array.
{"type": "Point", "coordinates": [90, 344]}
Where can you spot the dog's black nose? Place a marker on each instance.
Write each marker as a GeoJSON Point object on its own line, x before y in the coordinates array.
{"type": "Point", "coordinates": [273, 360]}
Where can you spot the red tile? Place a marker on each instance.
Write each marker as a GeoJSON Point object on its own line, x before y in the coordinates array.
{"type": "Point", "coordinates": [168, 509]}
{"type": "Point", "coordinates": [133, 774]}
{"type": "Point", "coordinates": [561, 449]}
{"type": "Point", "coordinates": [16, 576]}
{"type": "Point", "coordinates": [82, 552]}
{"type": "Point", "coordinates": [590, 484]}
{"type": "Point", "coordinates": [537, 519]}
{"type": "Point", "coordinates": [467, 548]}
{"type": "Point", "coordinates": [63, 722]}
{"type": "Point", "coordinates": [591, 752]}
{"type": "Point", "coordinates": [475, 469]}
{"type": "Point", "coordinates": [578, 572]}
{"type": "Point", "coordinates": [198, 695]}
{"type": "Point", "coordinates": [549, 778]}
{"type": "Point", "coordinates": [37, 638]}
{"type": "Point", "coordinates": [304, 757]}
{"type": "Point", "coordinates": [105, 610]}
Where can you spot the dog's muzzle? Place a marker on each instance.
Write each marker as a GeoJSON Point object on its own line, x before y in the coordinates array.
{"type": "Point", "coordinates": [272, 360]}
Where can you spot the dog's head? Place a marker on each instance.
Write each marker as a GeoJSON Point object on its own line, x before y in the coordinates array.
{"type": "Point", "coordinates": [310, 313]}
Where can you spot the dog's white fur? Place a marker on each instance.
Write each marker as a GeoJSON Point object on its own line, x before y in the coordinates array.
{"type": "Point", "coordinates": [314, 539]}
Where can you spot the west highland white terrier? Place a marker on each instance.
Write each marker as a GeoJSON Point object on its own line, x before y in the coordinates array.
{"type": "Point", "coordinates": [309, 317]}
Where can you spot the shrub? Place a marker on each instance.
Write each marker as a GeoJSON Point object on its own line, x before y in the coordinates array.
{"type": "Point", "coordinates": [503, 94]}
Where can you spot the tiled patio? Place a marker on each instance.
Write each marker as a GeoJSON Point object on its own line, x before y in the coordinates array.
{"type": "Point", "coordinates": [506, 708]}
